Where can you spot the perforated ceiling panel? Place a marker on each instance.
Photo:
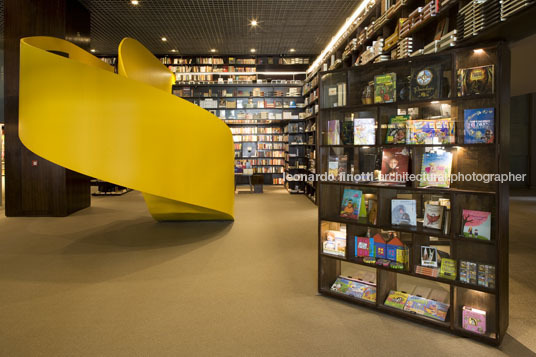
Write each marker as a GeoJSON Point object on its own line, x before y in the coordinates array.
{"type": "Point", "coordinates": [196, 26]}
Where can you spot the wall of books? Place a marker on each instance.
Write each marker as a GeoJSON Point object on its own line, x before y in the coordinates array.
{"type": "Point", "coordinates": [310, 93]}
{"type": "Point", "coordinates": [258, 115]}
{"type": "Point", "coordinates": [410, 203]}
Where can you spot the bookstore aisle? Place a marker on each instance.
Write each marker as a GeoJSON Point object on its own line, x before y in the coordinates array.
{"type": "Point", "coordinates": [109, 280]}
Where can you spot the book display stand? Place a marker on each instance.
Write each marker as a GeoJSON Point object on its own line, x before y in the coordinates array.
{"type": "Point", "coordinates": [431, 248]}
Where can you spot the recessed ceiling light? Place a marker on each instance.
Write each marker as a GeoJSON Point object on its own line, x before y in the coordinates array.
{"type": "Point", "coordinates": [164, 39]}
{"type": "Point", "coordinates": [478, 51]}
{"type": "Point", "coordinates": [292, 50]}
{"type": "Point", "coordinates": [254, 23]}
{"type": "Point", "coordinates": [173, 50]}
{"type": "Point", "coordinates": [93, 50]}
{"type": "Point", "coordinates": [252, 50]}
{"type": "Point", "coordinates": [213, 50]}
{"type": "Point", "coordinates": [134, 2]}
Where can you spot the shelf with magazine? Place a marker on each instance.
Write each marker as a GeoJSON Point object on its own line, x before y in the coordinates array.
{"type": "Point", "coordinates": [411, 170]}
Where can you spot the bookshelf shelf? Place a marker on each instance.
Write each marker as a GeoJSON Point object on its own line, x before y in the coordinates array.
{"type": "Point", "coordinates": [413, 259]}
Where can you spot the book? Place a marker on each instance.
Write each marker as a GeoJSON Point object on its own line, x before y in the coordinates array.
{"type": "Point", "coordinates": [476, 224]}
{"type": "Point", "coordinates": [365, 131]}
{"type": "Point", "coordinates": [468, 272]}
{"type": "Point", "coordinates": [486, 275]}
{"type": "Point", "coordinates": [334, 243]}
{"type": "Point", "coordinates": [433, 216]}
{"type": "Point", "coordinates": [334, 136]}
{"type": "Point", "coordinates": [433, 272]}
{"type": "Point", "coordinates": [429, 256]}
{"type": "Point", "coordinates": [333, 167]}
{"type": "Point", "coordinates": [347, 132]}
{"type": "Point", "coordinates": [385, 88]}
{"type": "Point", "coordinates": [474, 320]}
{"type": "Point", "coordinates": [404, 212]}
{"type": "Point", "coordinates": [364, 247]}
{"type": "Point", "coordinates": [396, 299]}
{"type": "Point", "coordinates": [372, 211]}
{"type": "Point", "coordinates": [395, 164]}
{"type": "Point", "coordinates": [351, 203]}
{"type": "Point", "coordinates": [436, 310]}
{"type": "Point", "coordinates": [396, 129]}
{"type": "Point", "coordinates": [425, 82]}
{"type": "Point", "coordinates": [478, 125]}
{"type": "Point", "coordinates": [435, 170]}
{"type": "Point", "coordinates": [476, 80]}
{"type": "Point", "coordinates": [448, 268]}
{"type": "Point", "coordinates": [354, 288]}
{"type": "Point", "coordinates": [430, 131]}
{"type": "Point", "coordinates": [416, 304]}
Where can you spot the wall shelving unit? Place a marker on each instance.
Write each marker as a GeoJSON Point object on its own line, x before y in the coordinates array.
{"type": "Point", "coordinates": [485, 158]}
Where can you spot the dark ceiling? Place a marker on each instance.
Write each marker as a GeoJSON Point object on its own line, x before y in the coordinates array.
{"type": "Point", "coordinates": [196, 26]}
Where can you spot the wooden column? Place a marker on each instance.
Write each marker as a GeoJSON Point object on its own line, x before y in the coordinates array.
{"type": "Point", "coordinates": [35, 186]}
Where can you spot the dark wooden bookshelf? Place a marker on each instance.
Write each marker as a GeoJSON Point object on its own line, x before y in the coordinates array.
{"type": "Point", "coordinates": [467, 158]}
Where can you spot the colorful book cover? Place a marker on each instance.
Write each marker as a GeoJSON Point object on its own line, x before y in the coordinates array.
{"type": "Point", "coordinates": [426, 83]}
{"type": "Point", "coordinates": [396, 129]}
{"type": "Point", "coordinates": [476, 224]}
{"type": "Point", "coordinates": [379, 246]}
{"type": "Point", "coordinates": [404, 212]}
{"type": "Point", "coordinates": [474, 320]}
{"type": "Point", "coordinates": [468, 272]}
{"type": "Point", "coordinates": [448, 269]}
{"type": "Point", "coordinates": [395, 164]}
{"type": "Point", "coordinates": [433, 216]}
{"type": "Point", "coordinates": [351, 203]}
{"type": "Point", "coordinates": [372, 211]}
{"type": "Point", "coordinates": [429, 256]}
{"type": "Point", "coordinates": [396, 299]}
{"type": "Point", "coordinates": [334, 134]}
{"type": "Point", "coordinates": [479, 125]}
{"type": "Point", "coordinates": [486, 276]}
{"type": "Point", "coordinates": [385, 88]}
{"type": "Point", "coordinates": [436, 169]}
{"type": "Point", "coordinates": [355, 289]}
{"type": "Point", "coordinates": [393, 246]}
{"type": "Point", "coordinates": [476, 80]}
{"type": "Point", "coordinates": [436, 310]}
{"type": "Point", "coordinates": [341, 285]}
{"type": "Point", "coordinates": [416, 304]}
{"type": "Point", "coordinates": [365, 131]}
{"type": "Point", "coordinates": [430, 131]}
{"type": "Point", "coordinates": [334, 243]}
{"type": "Point", "coordinates": [333, 167]}
{"type": "Point", "coordinates": [364, 247]}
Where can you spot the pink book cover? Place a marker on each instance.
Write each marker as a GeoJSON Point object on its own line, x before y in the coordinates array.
{"type": "Point", "coordinates": [474, 320]}
{"type": "Point", "coordinates": [363, 246]}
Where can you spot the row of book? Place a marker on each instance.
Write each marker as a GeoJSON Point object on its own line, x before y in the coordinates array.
{"type": "Point", "coordinates": [260, 115]}
{"type": "Point", "coordinates": [266, 138]}
{"type": "Point", "coordinates": [212, 103]}
{"type": "Point", "coordinates": [262, 162]}
{"type": "Point", "coordinates": [256, 130]}
{"type": "Point", "coordinates": [219, 93]}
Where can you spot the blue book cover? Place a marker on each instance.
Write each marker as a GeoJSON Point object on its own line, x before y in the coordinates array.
{"type": "Point", "coordinates": [436, 169]}
{"type": "Point", "coordinates": [479, 125]}
{"type": "Point", "coordinates": [351, 203]}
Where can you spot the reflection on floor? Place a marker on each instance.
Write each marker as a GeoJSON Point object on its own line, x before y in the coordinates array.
{"type": "Point", "coordinates": [110, 281]}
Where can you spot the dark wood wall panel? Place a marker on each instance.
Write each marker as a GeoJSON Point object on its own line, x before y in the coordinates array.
{"type": "Point", "coordinates": [44, 189]}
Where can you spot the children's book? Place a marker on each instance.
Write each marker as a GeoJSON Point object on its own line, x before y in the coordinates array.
{"type": "Point", "coordinates": [468, 272]}
{"type": "Point", "coordinates": [476, 224]}
{"type": "Point", "coordinates": [351, 203]}
{"type": "Point", "coordinates": [476, 80]}
{"type": "Point", "coordinates": [448, 269]}
{"type": "Point", "coordinates": [385, 88]}
{"type": "Point", "coordinates": [395, 164]}
{"type": "Point", "coordinates": [416, 304]}
{"type": "Point", "coordinates": [354, 288]}
{"type": "Point", "coordinates": [404, 212]}
{"type": "Point", "coordinates": [429, 257]}
{"type": "Point", "coordinates": [486, 275]}
{"type": "Point", "coordinates": [436, 310]}
{"type": "Point", "coordinates": [436, 169]}
{"type": "Point", "coordinates": [333, 167]}
{"type": "Point", "coordinates": [396, 299]}
{"type": "Point", "coordinates": [334, 133]}
{"type": "Point", "coordinates": [364, 247]}
{"type": "Point", "coordinates": [334, 243]}
{"type": "Point", "coordinates": [347, 133]}
{"type": "Point", "coordinates": [426, 82]}
{"type": "Point", "coordinates": [396, 129]}
{"type": "Point", "coordinates": [430, 131]}
{"type": "Point", "coordinates": [433, 216]}
{"type": "Point", "coordinates": [474, 320]}
{"type": "Point", "coordinates": [372, 211]}
{"type": "Point", "coordinates": [479, 125]}
{"type": "Point", "coordinates": [365, 131]}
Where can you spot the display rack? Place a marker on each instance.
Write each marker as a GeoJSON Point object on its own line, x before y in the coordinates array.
{"type": "Point", "coordinates": [390, 260]}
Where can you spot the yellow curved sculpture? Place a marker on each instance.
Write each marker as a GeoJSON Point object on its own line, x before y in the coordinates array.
{"type": "Point", "coordinates": [125, 128]}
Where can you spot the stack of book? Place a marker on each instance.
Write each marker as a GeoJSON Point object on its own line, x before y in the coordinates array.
{"type": "Point", "coordinates": [477, 16]}
{"type": "Point", "coordinates": [510, 7]}
{"type": "Point", "coordinates": [404, 48]}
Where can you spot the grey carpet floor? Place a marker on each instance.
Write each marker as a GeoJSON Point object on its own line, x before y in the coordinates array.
{"type": "Point", "coordinates": [110, 281]}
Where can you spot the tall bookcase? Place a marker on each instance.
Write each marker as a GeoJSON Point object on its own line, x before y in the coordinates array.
{"type": "Point", "coordinates": [491, 296]}
{"type": "Point", "coordinates": [257, 114]}
{"type": "Point", "coordinates": [311, 98]}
